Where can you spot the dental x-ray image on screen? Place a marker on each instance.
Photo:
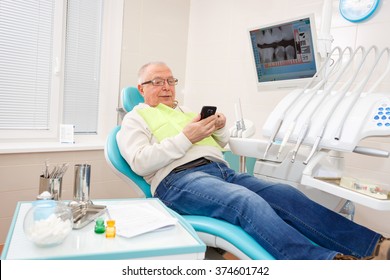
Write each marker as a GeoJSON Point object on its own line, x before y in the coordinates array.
{"type": "Point", "coordinates": [285, 51]}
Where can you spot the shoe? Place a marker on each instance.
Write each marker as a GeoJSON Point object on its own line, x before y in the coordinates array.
{"type": "Point", "coordinates": [382, 249]}
{"type": "Point", "coordinates": [344, 257]}
{"type": "Point", "coordinates": [350, 258]}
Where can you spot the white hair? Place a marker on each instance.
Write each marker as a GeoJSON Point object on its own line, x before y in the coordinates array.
{"type": "Point", "coordinates": [142, 70]}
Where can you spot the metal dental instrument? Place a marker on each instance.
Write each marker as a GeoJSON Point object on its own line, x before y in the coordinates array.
{"type": "Point", "coordinates": [273, 136]}
{"type": "Point", "coordinates": [61, 171]}
{"type": "Point", "coordinates": [46, 170]}
{"type": "Point", "coordinates": [241, 116]}
{"type": "Point", "coordinates": [361, 86]}
{"type": "Point", "coordinates": [306, 126]}
{"type": "Point", "coordinates": [238, 123]}
{"type": "Point", "coordinates": [371, 152]}
{"type": "Point", "coordinates": [299, 95]}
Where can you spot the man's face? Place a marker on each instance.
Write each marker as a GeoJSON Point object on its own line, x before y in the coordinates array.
{"type": "Point", "coordinates": [154, 94]}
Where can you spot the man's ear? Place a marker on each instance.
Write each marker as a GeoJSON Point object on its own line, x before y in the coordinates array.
{"type": "Point", "coordinates": [141, 89]}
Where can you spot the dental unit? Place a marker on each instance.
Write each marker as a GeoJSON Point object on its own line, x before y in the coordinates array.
{"type": "Point", "coordinates": [311, 128]}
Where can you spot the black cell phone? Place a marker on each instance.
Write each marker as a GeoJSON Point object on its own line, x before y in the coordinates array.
{"type": "Point", "coordinates": [207, 111]}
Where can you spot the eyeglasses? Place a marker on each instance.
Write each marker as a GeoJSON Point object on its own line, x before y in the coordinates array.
{"type": "Point", "coordinates": [161, 82]}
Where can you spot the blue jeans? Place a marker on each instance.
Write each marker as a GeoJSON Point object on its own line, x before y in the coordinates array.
{"type": "Point", "coordinates": [279, 217]}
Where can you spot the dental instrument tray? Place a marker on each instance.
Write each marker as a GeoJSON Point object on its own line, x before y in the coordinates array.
{"type": "Point", "coordinates": [84, 213]}
{"type": "Point", "coordinates": [357, 197]}
{"type": "Point", "coordinates": [359, 186]}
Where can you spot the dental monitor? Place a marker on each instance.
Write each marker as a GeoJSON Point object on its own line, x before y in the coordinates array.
{"type": "Point", "coordinates": [284, 53]}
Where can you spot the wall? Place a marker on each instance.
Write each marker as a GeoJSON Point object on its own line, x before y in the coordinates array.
{"type": "Point", "coordinates": [155, 31]}
{"type": "Point", "coordinates": [219, 69]}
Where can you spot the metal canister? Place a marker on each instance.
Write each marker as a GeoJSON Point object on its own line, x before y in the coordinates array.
{"type": "Point", "coordinates": [82, 183]}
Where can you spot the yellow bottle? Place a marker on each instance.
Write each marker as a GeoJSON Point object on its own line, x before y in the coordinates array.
{"type": "Point", "coordinates": [110, 229]}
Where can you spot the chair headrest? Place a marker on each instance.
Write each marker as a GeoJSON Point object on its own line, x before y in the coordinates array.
{"type": "Point", "coordinates": [130, 97]}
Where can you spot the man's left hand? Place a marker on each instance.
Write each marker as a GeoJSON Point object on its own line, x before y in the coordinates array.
{"type": "Point", "coordinates": [220, 122]}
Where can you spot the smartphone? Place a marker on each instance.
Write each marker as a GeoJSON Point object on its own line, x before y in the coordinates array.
{"type": "Point", "coordinates": [207, 111]}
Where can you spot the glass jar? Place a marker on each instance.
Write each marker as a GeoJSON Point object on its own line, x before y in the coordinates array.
{"type": "Point", "coordinates": [48, 222]}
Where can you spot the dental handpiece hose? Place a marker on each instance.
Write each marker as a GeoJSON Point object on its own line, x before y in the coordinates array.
{"type": "Point", "coordinates": [301, 136]}
{"type": "Point", "coordinates": [315, 145]}
{"type": "Point", "coordinates": [286, 137]}
{"type": "Point", "coordinates": [273, 136]}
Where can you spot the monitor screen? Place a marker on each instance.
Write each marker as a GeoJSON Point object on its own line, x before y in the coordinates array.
{"type": "Point", "coordinates": [284, 52]}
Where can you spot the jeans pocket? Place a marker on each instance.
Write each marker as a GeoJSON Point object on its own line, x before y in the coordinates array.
{"type": "Point", "coordinates": [161, 192]}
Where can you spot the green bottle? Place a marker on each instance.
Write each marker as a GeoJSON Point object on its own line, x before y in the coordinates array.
{"type": "Point", "coordinates": [99, 226]}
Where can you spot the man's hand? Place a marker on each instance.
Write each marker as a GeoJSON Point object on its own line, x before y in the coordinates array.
{"type": "Point", "coordinates": [199, 129]}
{"type": "Point", "coordinates": [221, 121]}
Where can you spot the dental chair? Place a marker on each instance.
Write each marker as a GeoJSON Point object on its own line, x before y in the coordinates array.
{"type": "Point", "coordinates": [213, 232]}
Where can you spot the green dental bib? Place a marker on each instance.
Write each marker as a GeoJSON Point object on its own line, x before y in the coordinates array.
{"type": "Point", "coordinates": [165, 122]}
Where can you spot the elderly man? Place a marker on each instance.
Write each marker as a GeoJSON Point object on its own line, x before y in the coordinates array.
{"type": "Point", "coordinates": [179, 155]}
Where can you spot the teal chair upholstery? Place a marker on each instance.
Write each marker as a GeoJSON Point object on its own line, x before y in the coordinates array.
{"type": "Point", "coordinates": [214, 232]}
{"type": "Point", "coordinates": [130, 97]}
